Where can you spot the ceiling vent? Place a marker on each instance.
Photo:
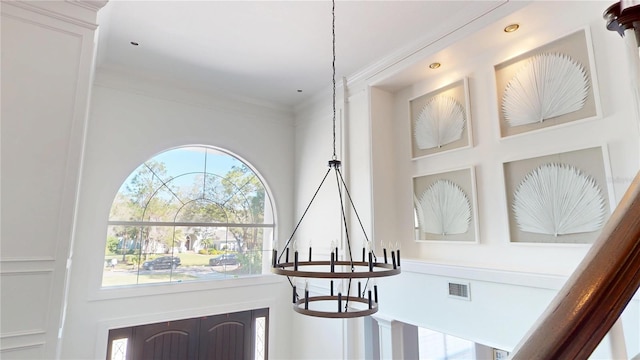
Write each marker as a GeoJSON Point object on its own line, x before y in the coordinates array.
{"type": "Point", "coordinates": [459, 291]}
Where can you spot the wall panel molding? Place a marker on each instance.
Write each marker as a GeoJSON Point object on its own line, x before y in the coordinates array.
{"type": "Point", "coordinates": [21, 340]}
{"type": "Point", "coordinates": [26, 266]}
{"type": "Point", "coordinates": [26, 350]}
{"type": "Point", "coordinates": [49, 48]}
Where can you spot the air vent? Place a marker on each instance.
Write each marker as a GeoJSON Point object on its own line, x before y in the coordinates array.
{"type": "Point", "coordinates": [459, 291]}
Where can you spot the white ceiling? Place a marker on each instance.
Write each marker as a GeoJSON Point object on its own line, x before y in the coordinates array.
{"type": "Point", "coordinates": [267, 50]}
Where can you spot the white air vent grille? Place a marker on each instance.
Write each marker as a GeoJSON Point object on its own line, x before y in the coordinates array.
{"type": "Point", "coordinates": [459, 291]}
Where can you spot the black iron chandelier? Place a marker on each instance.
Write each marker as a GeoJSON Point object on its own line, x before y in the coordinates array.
{"type": "Point", "coordinates": [341, 267]}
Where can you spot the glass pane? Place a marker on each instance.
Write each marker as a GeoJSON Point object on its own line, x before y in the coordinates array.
{"type": "Point", "coordinates": [122, 255]}
{"type": "Point", "coordinates": [459, 349]}
{"type": "Point", "coordinates": [182, 161]}
{"type": "Point", "coordinates": [242, 194]}
{"type": "Point", "coordinates": [220, 163]}
{"type": "Point", "coordinates": [163, 205]}
{"type": "Point", "coordinates": [119, 349]}
{"type": "Point", "coordinates": [202, 211]}
{"type": "Point", "coordinates": [251, 252]}
{"type": "Point", "coordinates": [435, 345]}
{"type": "Point", "coordinates": [181, 253]}
{"type": "Point", "coordinates": [431, 345]}
{"type": "Point", "coordinates": [136, 192]}
{"type": "Point", "coordinates": [260, 337]}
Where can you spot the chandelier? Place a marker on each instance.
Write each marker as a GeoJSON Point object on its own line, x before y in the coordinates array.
{"type": "Point", "coordinates": [341, 268]}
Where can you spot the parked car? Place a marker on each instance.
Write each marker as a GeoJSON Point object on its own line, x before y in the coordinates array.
{"type": "Point", "coordinates": [224, 259]}
{"type": "Point", "coordinates": [165, 262]}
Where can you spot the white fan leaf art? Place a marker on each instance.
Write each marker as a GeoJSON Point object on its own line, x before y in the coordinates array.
{"type": "Point", "coordinates": [547, 86]}
{"type": "Point", "coordinates": [558, 199]}
{"type": "Point", "coordinates": [418, 215]}
{"type": "Point", "coordinates": [444, 208]}
{"type": "Point", "coordinates": [440, 122]}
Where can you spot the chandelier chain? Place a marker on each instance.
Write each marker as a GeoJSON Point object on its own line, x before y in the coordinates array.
{"type": "Point", "coordinates": [333, 66]}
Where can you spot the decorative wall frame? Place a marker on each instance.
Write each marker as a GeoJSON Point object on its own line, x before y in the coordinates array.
{"type": "Point", "coordinates": [445, 207]}
{"type": "Point", "coordinates": [554, 84]}
{"type": "Point", "coordinates": [562, 198]}
{"type": "Point", "coordinates": [441, 120]}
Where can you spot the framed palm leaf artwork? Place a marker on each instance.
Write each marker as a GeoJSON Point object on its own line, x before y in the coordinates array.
{"type": "Point", "coordinates": [558, 198]}
{"type": "Point", "coordinates": [552, 85]}
{"type": "Point", "coordinates": [445, 206]}
{"type": "Point", "coordinates": [441, 120]}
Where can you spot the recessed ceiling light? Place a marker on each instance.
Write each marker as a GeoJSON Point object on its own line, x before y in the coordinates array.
{"type": "Point", "coordinates": [134, 43]}
{"type": "Point", "coordinates": [299, 90]}
{"type": "Point", "coordinates": [511, 28]}
{"type": "Point", "coordinates": [434, 65]}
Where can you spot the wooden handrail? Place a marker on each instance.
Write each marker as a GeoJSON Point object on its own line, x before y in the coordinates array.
{"type": "Point", "coordinates": [595, 295]}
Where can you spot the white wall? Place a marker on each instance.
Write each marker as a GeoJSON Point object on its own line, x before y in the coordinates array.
{"type": "Point", "coordinates": [131, 121]}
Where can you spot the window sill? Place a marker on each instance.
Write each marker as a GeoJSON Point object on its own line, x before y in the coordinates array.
{"type": "Point", "coordinates": [132, 291]}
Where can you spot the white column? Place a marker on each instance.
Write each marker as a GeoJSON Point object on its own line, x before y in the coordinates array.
{"type": "Point", "coordinates": [617, 341]}
{"type": "Point", "coordinates": [386, 340]}
{"type": "Point", "coordinates": [371, 339]}
{"type": "Point", "coordinates": [633, 57]}
{"type": "Point", "coordinates": [398, 340]}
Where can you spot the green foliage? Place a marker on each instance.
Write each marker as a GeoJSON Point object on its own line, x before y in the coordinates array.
{"type": "Point", "coordinates": [133, 259]}
{"type": "Point", "coordinates": [112, 245]}
{"type": "Point", "coordinates": [250, 262]}
{"type": "Point", "coordinates": [246, 204]}
{"type": "Point", "coordinates": [141, 188]}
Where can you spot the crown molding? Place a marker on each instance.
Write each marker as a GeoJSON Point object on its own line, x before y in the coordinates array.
{"type": "Point", "coordinates": [81, 13]}
{"type": "Point", "coordinates": [423, 47]}
{"type": "Point", "coordinates": [120, 81]}
{"type": "Point", "coordinates": [93, 5]}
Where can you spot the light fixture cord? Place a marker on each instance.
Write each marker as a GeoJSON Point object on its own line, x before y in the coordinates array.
{"type": "Point", "coordinates": [333, 64]}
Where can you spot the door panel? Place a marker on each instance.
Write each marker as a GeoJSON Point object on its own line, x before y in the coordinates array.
{"type": "Point", "coordinates": [166, 341]}
{"type": "Point", "coordinates": [226, 337]}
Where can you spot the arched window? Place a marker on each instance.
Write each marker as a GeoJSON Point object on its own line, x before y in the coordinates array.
{"type": "Point", "coordinates": [191, 213]}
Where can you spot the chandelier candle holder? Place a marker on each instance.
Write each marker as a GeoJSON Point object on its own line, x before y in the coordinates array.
{"type": "Point", "coordinates": [365, 302]}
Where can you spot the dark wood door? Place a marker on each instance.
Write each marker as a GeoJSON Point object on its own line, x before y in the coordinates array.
{"type": "Point", "coordinates": [217, 337]}
{"type": "Point", "coordinates": [166, 341]}
{"type": "Point", "coordinates": [226, 337]}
